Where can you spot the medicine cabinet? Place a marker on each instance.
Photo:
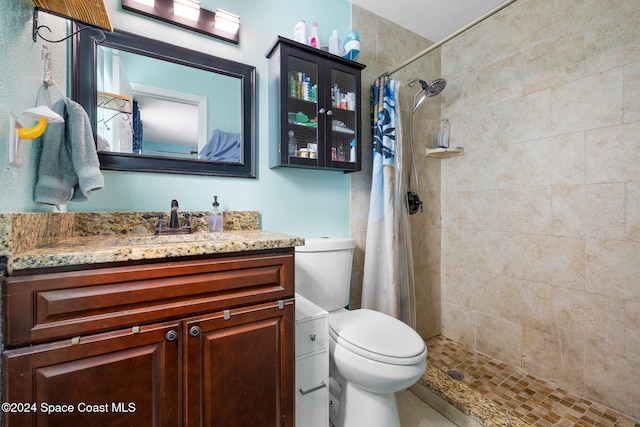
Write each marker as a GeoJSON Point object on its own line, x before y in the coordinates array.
{"type": "Point", "coordinates": [314, 108]}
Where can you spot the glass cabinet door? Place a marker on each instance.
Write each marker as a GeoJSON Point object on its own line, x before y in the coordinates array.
{"type": "Point", "coordinates": [302, 131]}
{"type": "Point", "coordinates": [342, 120]}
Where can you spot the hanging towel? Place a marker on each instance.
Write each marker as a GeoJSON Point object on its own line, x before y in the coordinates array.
{"type": "Point", "coordinates": [223, 147]}
{"type": "Point", "coordinates": [68, 169]}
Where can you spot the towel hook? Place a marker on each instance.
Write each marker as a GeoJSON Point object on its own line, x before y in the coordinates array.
{"type": "Point", "coordinates": [36, 31]}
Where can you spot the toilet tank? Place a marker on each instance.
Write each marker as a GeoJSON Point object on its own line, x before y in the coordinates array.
{"type": "Point", "coordinates": [323, 271]}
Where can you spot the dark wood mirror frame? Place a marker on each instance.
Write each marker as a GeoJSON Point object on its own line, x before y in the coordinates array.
{"type": "Point", "coordinates": [83, 91]}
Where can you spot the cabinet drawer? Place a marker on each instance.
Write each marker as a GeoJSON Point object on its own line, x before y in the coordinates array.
{"type": "Point", "coordinates": [43, 307]}
{"type": "Point", "coordinates": [312, 398]}
{"type": "Point", "coordinates": [311, 336]}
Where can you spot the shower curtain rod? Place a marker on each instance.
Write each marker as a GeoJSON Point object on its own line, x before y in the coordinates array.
{"type": "Point", "coordinates": [449, 37]}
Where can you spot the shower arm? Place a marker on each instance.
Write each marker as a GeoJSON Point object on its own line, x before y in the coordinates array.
{"type": "Point", "coordinates": [449, 37]}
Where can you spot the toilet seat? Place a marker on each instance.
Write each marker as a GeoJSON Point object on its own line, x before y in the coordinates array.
{"type": "Point", "coordinates": [377, 336]}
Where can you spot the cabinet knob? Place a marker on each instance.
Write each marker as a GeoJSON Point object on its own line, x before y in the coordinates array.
{"type": "Point", "coordinates": [322, 111]}
{"type": "Point", "coordinates": [172, 335]}
{"type": "Point", "coordinates": [329, 113]}
{"type": "Point", "coordinates": [194, 331]}
{"type": "Point", "coordinates": [313, 337]}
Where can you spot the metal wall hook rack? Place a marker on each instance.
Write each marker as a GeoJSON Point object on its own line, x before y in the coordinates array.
{"type": "Point", "coordinates": [100, 37]}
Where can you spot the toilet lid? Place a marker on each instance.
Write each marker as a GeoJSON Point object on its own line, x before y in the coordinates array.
{"type": "Point", "coordinates": [377, 336]}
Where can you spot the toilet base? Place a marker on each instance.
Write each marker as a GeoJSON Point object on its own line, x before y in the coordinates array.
{"type": "Point", "coordinates": [359, 408]}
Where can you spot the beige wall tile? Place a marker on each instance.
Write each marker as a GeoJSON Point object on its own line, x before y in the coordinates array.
{"type": "Point", "coordinates": [613, 381]}
{"type": "Point", "coordinates": [613, 268]}
{"type": "Point", "coordinates": [554, 358]}
{"type": "Point", "coordinates": [632, 205]}
{"type": "Point", "coordinates": [555, 161]}
{"type": "Point", "coordinates": [499, 338]}
{"type": "Point", "coordinates": [499, 253]}
{"type": "Point", "coordinates": [589, 103]}
{"type": "Point", "coordinates": [459, 324]}
{"type": "Point", "coordinates": [632, 92]}
{"type": "Point", "coordinates": [525, 210]}
{"type": "Point", "coordinates": [613, 154]}
{"type": "Point", "coordinates": [632, 331]}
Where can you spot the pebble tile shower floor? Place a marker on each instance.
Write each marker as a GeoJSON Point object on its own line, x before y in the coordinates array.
{"type": "Point", "coordinates": [508, 395]}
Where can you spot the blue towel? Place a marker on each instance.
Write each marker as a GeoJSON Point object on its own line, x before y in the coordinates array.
{"type": "Point", "coordinates": [222, 147]}
{"type": "Point", "coordinates": [69, 168]}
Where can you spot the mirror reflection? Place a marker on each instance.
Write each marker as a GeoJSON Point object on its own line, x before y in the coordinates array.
{"type": "Point", "coordinates": [161, 108]}
{"type": "Point", "coordinates": [174, 111]}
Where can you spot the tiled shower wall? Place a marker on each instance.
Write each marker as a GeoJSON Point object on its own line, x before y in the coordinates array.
{"type": "Point", "coordinates": [385, 46]}
{"type": "Point", "coordinates": [541, 216]}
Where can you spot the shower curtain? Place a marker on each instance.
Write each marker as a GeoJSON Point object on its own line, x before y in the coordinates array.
{"type": "Point", "coordinates": [388, 283]}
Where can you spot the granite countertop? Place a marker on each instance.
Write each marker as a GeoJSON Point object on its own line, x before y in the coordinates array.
{"type": "Point", "coordinates": [35, 241]}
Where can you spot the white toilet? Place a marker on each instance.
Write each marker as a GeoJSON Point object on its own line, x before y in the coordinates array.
{"type": "Point", "coordinates": [372, 355]}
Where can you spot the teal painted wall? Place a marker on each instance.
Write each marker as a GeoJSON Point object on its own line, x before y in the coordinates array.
{"type": "Point", "coordinates": [302, 202]}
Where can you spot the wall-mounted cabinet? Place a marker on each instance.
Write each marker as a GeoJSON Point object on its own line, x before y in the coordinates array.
{"type": "Point", "coordinates": [314, 108]}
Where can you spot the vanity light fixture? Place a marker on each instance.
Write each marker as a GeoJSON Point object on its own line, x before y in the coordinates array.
{"type": "Point", "coordinates": [227, 22]}
{"type": "Point", "coordinates": [17, 133]}
{"type": "Point", "coordinates": [188, 9]}
{"type": "Point", "coordinates": [188, 14]}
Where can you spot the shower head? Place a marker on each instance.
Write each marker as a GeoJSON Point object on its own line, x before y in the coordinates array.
{"type": "Point", "coordinates": [428, 90]}
{"type": "Point", "coordinates": [431, 89]}
{"type": "Point", "coordinates": [434, 88]}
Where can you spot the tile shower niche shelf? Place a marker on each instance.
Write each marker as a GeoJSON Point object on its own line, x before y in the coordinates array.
{"type": "Point", "coordinates": [445, 152]}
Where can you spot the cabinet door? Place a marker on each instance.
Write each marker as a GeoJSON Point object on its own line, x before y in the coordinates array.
{"type": "Point", "coordinates": [239, 367]}
{"type": "Point", "coordinates": [120, 378]}
{"type": "Point", "coordinates": [303, 110]}
{"type": "Point", "coordinates": [342, 139]}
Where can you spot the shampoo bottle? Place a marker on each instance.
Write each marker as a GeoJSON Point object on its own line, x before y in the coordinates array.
{"type": "Point", "coordinates": [314, 41]}
{"type": "Point", "coordinates": [215, 216]}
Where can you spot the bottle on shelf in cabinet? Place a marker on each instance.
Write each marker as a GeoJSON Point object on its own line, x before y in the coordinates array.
{"type": "Point", "coordinates": [335, 96]}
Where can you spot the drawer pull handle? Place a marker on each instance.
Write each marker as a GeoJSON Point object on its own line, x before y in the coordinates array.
{"type": "Point", "coordinates": [194, 331]}
{"type": "Point", "coordinates": [171, 335]}
{"type": "Point", "coordinates": [321, 386]}
{"type": "Point", "coordinates": [312, 337]}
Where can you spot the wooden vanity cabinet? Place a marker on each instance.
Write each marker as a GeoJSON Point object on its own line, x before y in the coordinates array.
{"type": "Point", "coordinates": [206, 342]}
{"type": "Point", "coordinates": [115, 378]}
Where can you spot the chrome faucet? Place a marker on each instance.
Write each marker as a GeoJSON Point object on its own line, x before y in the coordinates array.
{"type": "Point", "coordinates": [174, 223]}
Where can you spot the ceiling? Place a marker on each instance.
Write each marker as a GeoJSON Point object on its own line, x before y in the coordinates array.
{"type": "Point", "coordinates": [432, 19]}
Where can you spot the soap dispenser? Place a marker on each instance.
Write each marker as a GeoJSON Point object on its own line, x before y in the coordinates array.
{"type": "Point", "coordinates": [215, 216]}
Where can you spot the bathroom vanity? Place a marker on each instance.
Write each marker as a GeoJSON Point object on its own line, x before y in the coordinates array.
{"type": "Point", "coordinates": [183, 332]}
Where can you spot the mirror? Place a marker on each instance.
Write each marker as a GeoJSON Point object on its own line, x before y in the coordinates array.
{"type": "Point", "coordinates": [156, 107]}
